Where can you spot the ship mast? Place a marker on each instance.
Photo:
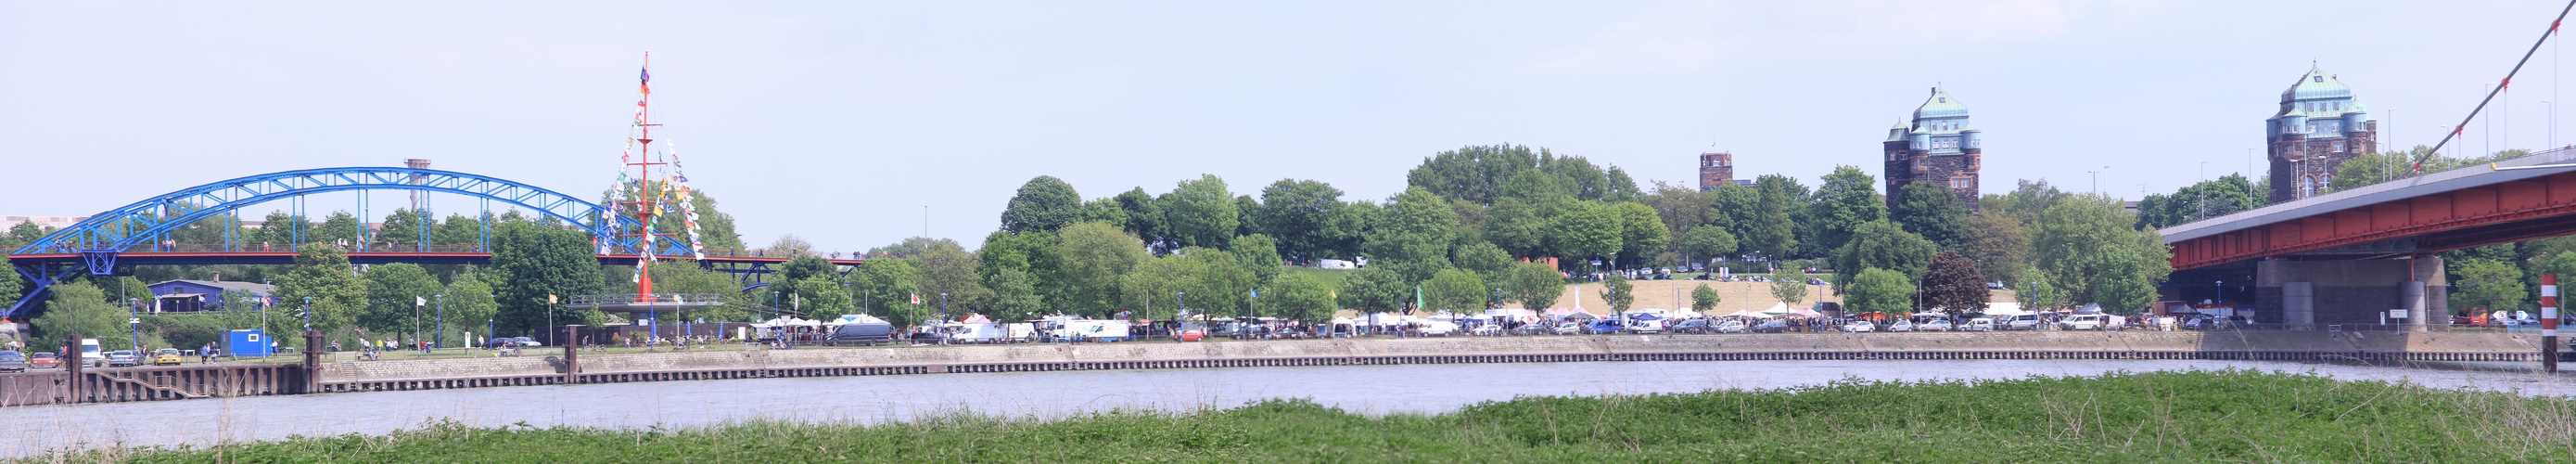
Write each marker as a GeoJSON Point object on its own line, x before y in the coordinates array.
{"type": "Point", "coordinates": [645, 202]}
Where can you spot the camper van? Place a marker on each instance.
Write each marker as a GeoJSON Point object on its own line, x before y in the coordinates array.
{"type": "Point", "coordinates": [977, 333]}
{"type": "Point", "coordinates": [2083, 322]}
{"type": "Point", "coordinates": [1067, 329]}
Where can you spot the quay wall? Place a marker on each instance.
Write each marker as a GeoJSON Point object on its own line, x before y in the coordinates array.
{"type": "Point", "coordinates": [735, 362]}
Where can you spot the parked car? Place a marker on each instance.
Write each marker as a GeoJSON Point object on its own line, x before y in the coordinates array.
{"type": "Point", "coordinates": [2083, 322]}
{"type": "Point", "coordinates": [1643, 327]}
{"type": "Point", "coordinates": [1982, 324]}
{"type": "Point", "coordinates": [1189, 335]}
{"type": "Point", "coordinates": [1486, 330]}
{"type": "Point", "coordinates": [1567, 328]}
{"type": "Point", "coordinates": [165, 357]}
{"type": "Point", "coordinates": [12, 361]}
{"type": "Point", "coordinates": [1935, 325]}
{"type": "Point", "coordinates": [1693, 326]}
{"type": "Point", "coordinates": [1731, 327]}
{"type": "Point", "coordinates": [122, 358]}
{"type": "Point", "coordinates": [863, 334]}
{"type": "Point", "coordinates": [1901, 326]}
{"type": "Point", "coordinates": [42, 360]}
{"type": "Point", "coordinates": [1858, 326]}
{"type": "Point", "coordinates": [1771, 327]}
{"type": "Point", "coordinates": [1604, 326]}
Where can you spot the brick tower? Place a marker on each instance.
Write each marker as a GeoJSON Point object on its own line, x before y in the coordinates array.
{"type": "Point", "coordinates": [1715, 169]}
{"type": "Point", "coordinates": [1937, 145]}
{"type": "Point", "coordinates": [2318, 128]}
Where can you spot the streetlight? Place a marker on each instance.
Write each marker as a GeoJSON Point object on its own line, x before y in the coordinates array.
{"type": "Point", "coordinates": [438, 323]}
{"type": "Point", "coordinates": [2097, 179]}
{"type": "Point", "coordinates": [1180, 305]}
{"type": "Point", "coordinates": [134, 325]}
{"type": "Point", "coordinates": [943, 306]}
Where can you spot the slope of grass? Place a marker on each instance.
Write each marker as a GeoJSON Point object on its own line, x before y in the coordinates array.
{"type": "Point", "coordinates": [2161, 416]}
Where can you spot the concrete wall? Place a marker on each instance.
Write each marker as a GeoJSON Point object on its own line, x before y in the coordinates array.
{"type": "Point", "coordinates": [2045, 341]}
{"type": "Point", "coordinates": [2347, 291]}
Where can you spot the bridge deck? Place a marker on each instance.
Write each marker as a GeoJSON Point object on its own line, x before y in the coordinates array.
{"type": "Point", "coordinates": [2517, 199]}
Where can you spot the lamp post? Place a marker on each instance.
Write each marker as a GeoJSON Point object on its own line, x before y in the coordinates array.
{"type": "Point", "coordinates": [943, 306]}
{"type": "Point", "coordinates": [1180, 305]}
{"type": "Point", "coordinates": [308, 315]}
{"type": "Point", "coordinates": [134, 325]}
{"type": "Point", "coordinates": [438, 323]}
{"type": "Point", "coordinates": [2097, 179]}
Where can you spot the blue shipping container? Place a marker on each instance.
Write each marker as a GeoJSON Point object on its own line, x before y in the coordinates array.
{"type": "Point", "coordinates": [247, 342]}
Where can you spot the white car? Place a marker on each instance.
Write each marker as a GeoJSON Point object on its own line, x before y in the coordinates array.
{"type": "Point", "coordinates": [1935, 325]}
{"type": "Point", "coordinates": [1732, 327]}
{"type": "Point", "coordinates": [1486, 330]}
{"type": "Point", "coordinates": [1643, 327]}
{"type": "Point", "coordinates": [1568, 328]}
{"type": "Point", "coordinates": [2083, 322]}
{"type": "Point", "coordinates": [1901, 326]}
{"type": "Point", "coordinates": [1859, 326]}
{"type": "Point", "coordinates": [1981, 324]}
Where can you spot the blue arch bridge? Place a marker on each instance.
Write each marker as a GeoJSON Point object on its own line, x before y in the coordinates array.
{"type": "Point", "coordinates": [110, 242]}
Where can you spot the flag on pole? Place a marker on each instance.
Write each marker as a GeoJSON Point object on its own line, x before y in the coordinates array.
{"type": "Point", "coordinates": [916, 298]}
{"type": "Point", "coordinates": [418, 301]}
{"type": "Point", "coordinates": [644, 80]}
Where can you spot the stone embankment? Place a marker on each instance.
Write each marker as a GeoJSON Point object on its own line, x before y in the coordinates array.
{"type": "Point", "coordinates": [728, 363]}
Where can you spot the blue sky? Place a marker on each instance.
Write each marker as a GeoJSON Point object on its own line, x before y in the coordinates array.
{"type": "Point", "coordinates": [839, 122]}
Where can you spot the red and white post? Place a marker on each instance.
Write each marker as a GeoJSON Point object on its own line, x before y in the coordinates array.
{"type": "Point", "coordinates": [2549, 323]}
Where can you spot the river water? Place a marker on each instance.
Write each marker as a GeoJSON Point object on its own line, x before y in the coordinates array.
{"type": "Point", "coordinates": [1360, 389]}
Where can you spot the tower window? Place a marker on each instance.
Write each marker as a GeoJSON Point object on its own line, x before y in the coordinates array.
{"type": "Point", "coordinates": [2336, 147]}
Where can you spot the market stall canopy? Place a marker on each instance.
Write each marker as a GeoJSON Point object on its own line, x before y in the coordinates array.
{"type": "Point", "coordinates": [978, 319]}
{"type": "Point", "coordinates": [853, 319]}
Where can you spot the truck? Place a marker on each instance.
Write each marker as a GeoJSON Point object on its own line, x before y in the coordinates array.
{"type": "Point", "coordinates": [91, 355]}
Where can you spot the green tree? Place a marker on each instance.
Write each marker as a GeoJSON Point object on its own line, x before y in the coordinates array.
{"type": "Point", "coordinates": [2207, 199]}
{"type": "Point", "coordinates": [338, 228]}
{"type": "Point", "coordinates": [1515, 226]}
{"type": "Point", "coordinates": [1880, 291]}
{"type": "Point", "coordinates": [1156, 286]}
{"type": "Point", "coordinates": [323, 277]}
{"type": "Point", "coordinates": [885, 288]}
{"type": "Point", "coordinates": [820, 297]}
{"type": "Point", "coordinates": [946, 268]}
{"type": "Point", "coordinates": [2040, 291]}
{"type": "Point", "coordinates": [2091, 252]}
{"type": "Point", "coordinates": [686, 278]}
{"type": "Point", "coordinates": [1299, 296]}
{"type": "Point", "coordinates": [1199, 213]}
{"type": "Point", "coordinates": [1534, 285]}
{"type": "Point", "coordinates": [1014, 297]}
{"type": "Point", "coordinates": [2028, 201]}
{"type": "Point", "coordinates": [1585, 230]}
{"type": "Point", "coordinates": [1094, 257]}
{"type": "Point", "coordinates": [1846, 199]}
{"type": "Point", "coordinates": [1473, 173]}
{"type": "Point", "coordinates": [796, 272]}
{"type": "Point", "coordinates": [1259, 254]}
{"type": "Point", "coordinates": [1642, 235]}
{"type": "Point", "coordinates": [1375, 289]}
{"type": "Point", "coordinates": [1414, 238]}
{"type": "Point", "coordinates": [10, 289]}
{"type": "Point", "coordinates": [1952, 284]}
{"type": "Point", "coordinates": [1457, 290]}
{"type": "Point", "coordinates": [1707, 242]}
{"type": "Point", "coordinates": [1224, 285]}
{"type": "Point", "coordinates": [1932, 211]}
{"type": "Point", "coordinates": [2487, 285]}
{"type": "Point", "coordinates": [1770, 228]}
{"type": "Point", "coordinates": [530, 263]}
{"type": "Point", "coordinates": [404, 227]}
{"type": "Point", "coordinates": [397, 295]}
{"type": "Point", "coordinates": [1483, 257]}
{"type": "Point", "coordinates": [1680, 207]}
{"type": "Point", "coordinates": [1704, 298]}
{"type": "Point", "coordinates": [469, 303]}
{"type": "Point", "coordinates": [1044, 204]}
{"type": "Point", "coordinates": [80, 309]}
{"type": "Point", "coordinates": [1881, 245]}
{"type": "Point", "coordinates": [1789, 285]}
{"type": "Point", "coordinates": [1299, 213]}
{"type": "Point", "coordinates": [1616, 291]}
{"type": "Point", "coordinates": [2000, 246]}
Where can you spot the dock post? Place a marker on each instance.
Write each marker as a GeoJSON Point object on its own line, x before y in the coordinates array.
{"type": "Point", "coordinates": [572, 354]}
{"type": "Point", "coordinates": [312, 361]}
{"type": "Point", "coordinates": [73, 365]}
{"type": "Point", "coordinates": [2549, 323]}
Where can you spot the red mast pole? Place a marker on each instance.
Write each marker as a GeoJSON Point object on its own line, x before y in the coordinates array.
{"type": "Point", "coordinates": [646, 203]}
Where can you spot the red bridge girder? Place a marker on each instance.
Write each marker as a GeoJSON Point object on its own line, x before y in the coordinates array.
{"type": "Point", "coordinates": [2491, 210]}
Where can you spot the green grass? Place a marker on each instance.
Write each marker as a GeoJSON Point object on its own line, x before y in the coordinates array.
{"type": "Point", "coordinates": [2161, 416]}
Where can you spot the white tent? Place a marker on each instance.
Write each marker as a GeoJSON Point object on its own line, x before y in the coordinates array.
{"type": "Point", "coordinates": [1746, 313]}
{"type": "Point", "coordinates": [1777, 309]}
{"type": "Point", "coordinates": [2004, 309]}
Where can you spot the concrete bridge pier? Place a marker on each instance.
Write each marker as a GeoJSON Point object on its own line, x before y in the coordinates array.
{"type": "Point", "coordinates": [2350, 291]}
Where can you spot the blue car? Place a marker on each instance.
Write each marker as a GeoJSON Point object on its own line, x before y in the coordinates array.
{"type": "Point", "coordinates": [1604, 326]}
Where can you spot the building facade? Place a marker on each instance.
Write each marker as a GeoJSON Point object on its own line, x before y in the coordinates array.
{"type": "Point", "coordinates": [1937, 145]}
{"type": "Point", "coordinates": [2318, 127]}
{"type": "Point", "coordinates": [1715, 169]}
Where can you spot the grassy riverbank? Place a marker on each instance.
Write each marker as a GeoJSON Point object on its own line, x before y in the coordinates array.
{"type": "Point", "coordinates": [2164, 416]}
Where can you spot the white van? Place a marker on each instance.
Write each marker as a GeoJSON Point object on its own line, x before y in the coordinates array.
{"type": "Point", "coordinates": [2022, 322]}
{"type": "Point", "coordinates": [1430, 327]}
{"type": "Point", "coordinates": [2082, 322]}
{"type": "Point", "coordinates": [1981, 324]}
{"type": "Point", "coordinates": [1643, 327]}
{"type": "Point", "coordinates": [91, 354]}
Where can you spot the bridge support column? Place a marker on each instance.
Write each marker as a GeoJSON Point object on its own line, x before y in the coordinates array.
{"type": "Point", "coordinates": [2350, 291]}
